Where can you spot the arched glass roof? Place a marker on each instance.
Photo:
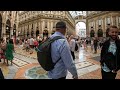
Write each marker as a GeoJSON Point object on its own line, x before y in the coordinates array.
{"type": "Point", "coordinates": [77, 13]}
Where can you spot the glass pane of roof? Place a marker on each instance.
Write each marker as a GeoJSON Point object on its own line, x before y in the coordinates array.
{"type": "Point", "coordinates": [77, 13]}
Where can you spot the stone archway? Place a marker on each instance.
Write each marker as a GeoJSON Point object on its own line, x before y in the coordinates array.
{"type": "Point", "coordinates": [8, 26]}
{"type": "Point", "coordinates": [84, 21]}
{"type": "Point", "coordinates": [0, 25]}
{"type": "Point", "coordinates": [81, 29]}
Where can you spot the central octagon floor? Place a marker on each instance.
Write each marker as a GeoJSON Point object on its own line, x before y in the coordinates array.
{"type": "Point", "coordinates": [36, 73]}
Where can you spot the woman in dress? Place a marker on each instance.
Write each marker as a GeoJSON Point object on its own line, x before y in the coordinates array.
{"type": "Point", "coordinates": [9, 51]}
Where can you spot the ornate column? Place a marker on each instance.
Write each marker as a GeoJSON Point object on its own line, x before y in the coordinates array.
{"type": "Point", "coordinates": [11, 32]}
{"type": "Point", "coordinates": [26, 30]}
{"type": "Point", "coordinates": [16, 30]}
{"type": "Point", "coordinates": [30, 27]}
{"type": "Point", "coordinates": [95, 27]}
{"type": "Point", "coordinates": [114, 20]}
{"type": "Point", "coordinates": [35, 28]}
{"type": "Point", "coordinates": [117, 21]}
{"type": "Point", "coordinates": [111, 19]}
{"type": "Point", "coordinates": [40, 27]}
{"type": "Point", "coordinates": [103, 24]}
{"type": "Point", "coordinates": [20, 31]}
{"type": "Point", "coordinates": [87, 28]}
{"type": "Point", "coordinates": [49, 29]}
{"type": "Point", "coordinates": [3, 30]}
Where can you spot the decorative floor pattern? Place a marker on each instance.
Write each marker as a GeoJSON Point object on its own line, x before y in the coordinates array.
{"type": "Point", "coordinates": [97, 58]}
{"type": "Point", "coordinates": [36, 73]}
{"type": "Point", "coordinates": [83, 64]}
{"type": "Point", "coordinates": [19, 62]}
{"type": "Point", "coordinates": [4, 69]}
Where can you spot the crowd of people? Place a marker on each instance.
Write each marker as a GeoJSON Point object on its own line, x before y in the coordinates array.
{"type": "Point", "coordinates": [65, 49]}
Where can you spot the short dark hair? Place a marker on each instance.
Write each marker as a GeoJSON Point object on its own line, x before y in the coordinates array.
{"type": "Point", "coordinates": [61, 24]}
{"type": "Point", "coordinates": [113, 26]}
{"type": "Point", "coordinates": [11, 41]}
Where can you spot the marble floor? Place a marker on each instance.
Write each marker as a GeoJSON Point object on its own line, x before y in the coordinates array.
{"type": "Point", "coordinates": [26, 66]}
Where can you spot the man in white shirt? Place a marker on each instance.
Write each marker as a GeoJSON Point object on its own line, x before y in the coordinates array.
{"type": "Point", "coordinates": [31, 42]}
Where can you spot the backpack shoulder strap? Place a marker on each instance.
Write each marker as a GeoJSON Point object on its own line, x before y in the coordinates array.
{"type": "Point", "coordinates": [56, 38]}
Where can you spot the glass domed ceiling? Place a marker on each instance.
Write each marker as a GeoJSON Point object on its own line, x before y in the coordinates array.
{"type": "Point", "coordinates": [77, 13]}
{"type": "Point", "coordinates": [73, 13]}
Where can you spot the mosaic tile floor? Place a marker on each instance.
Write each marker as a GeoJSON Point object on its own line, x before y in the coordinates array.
{"type": "Point", "coordinates": [83, 64]}
{"type": "Point", "coordinates": [19, 62]}
{"type": "Point", "coordinates": [4, 69]}
{"type": "Point", "coordinates": [36, 73]}
{"type": "Point", "coordinates": [87, 66]}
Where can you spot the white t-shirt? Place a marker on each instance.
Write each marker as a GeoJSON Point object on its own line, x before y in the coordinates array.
{"type": "Point", "coordinates": [31, 41]}
{"type": "Point", "coordinates": [72, 45]}
{"type": "Point", "coordinates": [112, 47]}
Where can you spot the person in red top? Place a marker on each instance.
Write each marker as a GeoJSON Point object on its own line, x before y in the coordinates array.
{"type": "Point", "coordinates": [36, 43]}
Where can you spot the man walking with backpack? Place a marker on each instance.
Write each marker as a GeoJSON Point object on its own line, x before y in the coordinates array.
{"type": "Point", "coordinates": [60, 51]}
{"type": "Point", "coordinates": [110, 55]}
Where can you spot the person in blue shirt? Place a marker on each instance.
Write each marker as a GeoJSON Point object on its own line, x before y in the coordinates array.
{"type": "Point", "coordinates": [60, 48]}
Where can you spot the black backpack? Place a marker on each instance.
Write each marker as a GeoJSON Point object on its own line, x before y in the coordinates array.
{"type": "Point", "coordinates": [44, 54]}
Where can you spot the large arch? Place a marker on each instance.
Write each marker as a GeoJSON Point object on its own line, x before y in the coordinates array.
{"type": "Point", "coordinates": [0, 25]}
{"type": "Point", "coordinates": [8, 26]}
{"type": "Point", "coordinates": [81, 29]}
{"type": "Point", "coordinates": [83, 20]}
{"type": "Point", "coordinates": [80, 18]}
